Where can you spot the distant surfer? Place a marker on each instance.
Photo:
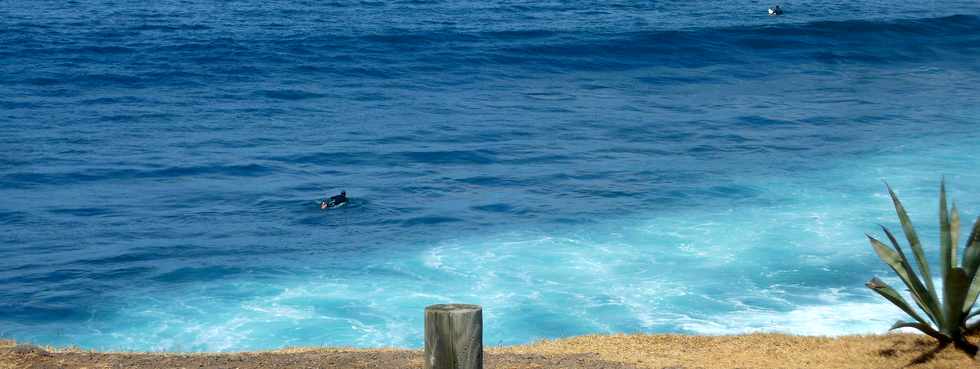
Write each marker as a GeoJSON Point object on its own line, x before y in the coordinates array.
{"type": "Point", "coordinates": [334, 201]}
{"type": "Point", "coordinates": [774, 11]}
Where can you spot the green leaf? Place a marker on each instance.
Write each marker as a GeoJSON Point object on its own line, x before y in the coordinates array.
{"type": "Point", "coordinates": [909, 230]}
{"type": "Point", "coordinates": [971, 261]}
{"type": "Point", "coordinates": [973, 314]}
{"type": "Point", "coordinates": [894, 241]}
{"type": "Point", "coordinates": [897, 261]}
{"type": "Point", "coordinates": [954, 233]}
{"type": "Point", "coordinates": [971, 252]}
{"type": "Point", "coordinates": [945, 247]}
{"type": "Point", "coordinates": [891, 295]}
{"type": "Point", "coordinates": [971, 295]}
{"type": "Point", "coordinates": [955, 288]}
{"type": "Point", "coordinates": [924, 328]}
{"type": "Point", "coordinates": [928, 292]}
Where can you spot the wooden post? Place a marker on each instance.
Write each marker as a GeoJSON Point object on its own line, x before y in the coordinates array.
{"type": "Point", "coordinates": [454, 336]}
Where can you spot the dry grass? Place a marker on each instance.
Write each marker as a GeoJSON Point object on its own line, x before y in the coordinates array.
{"type": "Point", "coordinates": [768, 351]}
{"type": "Point", "coordinates": [305, 350]}
{"type": "Point", "coordinates": [763, 351]}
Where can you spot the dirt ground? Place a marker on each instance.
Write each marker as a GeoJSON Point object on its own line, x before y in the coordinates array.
{"type": "Point", "coordinates": [762, 351]}
{"type": "Point", "coordinates": [35, 357]}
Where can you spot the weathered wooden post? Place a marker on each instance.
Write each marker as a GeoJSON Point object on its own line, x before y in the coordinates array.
{"type": "Point", "coordinates": [454, 336]}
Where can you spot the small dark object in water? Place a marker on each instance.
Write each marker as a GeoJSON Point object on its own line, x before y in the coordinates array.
{"type": "Point", "coordinates": [335, 201]}
{"type": "Point", "coordinates": [774, 11]}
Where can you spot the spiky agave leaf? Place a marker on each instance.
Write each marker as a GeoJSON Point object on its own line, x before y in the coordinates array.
{"type": "Point", "coordinates": [971, 253]}
{"type": "Point", "coordinates": [924, 297]}
{"type": "Point", "coordinates": [954, 232]}
{"type": "Point", "coordinates": [890, 294]}
{"type": "Point", "coordinates": [971, 297]}
{"type": "Point", "coordinates": [972, 326]}
{"type": "Point", "coordinates": [971, 262]}
{"type": "Point", "coordinates": [897, 261]}
{"type": "Point", "coordinates": [946, 249]}
{"type": "Point", "coordinates": [913, 238]}
{"type": "Point", "coordinates": [955, 288]}
{"type": "Point", "coordinates": [891, 238]}
{"type": "Point", "coordinates": [924, 328]}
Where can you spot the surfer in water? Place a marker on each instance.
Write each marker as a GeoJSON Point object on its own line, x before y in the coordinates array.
{"type": "Point", "coordinates": [334, 201]}
{"type": "Point", "coordinates": [774, 11]}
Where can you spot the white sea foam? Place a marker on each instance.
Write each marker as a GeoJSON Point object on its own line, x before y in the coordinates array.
{"type": "Point", "coordinates": [817, 320]}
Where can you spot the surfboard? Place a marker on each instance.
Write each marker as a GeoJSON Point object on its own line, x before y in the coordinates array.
{"type": "Point", "coordinates": [340, 205]}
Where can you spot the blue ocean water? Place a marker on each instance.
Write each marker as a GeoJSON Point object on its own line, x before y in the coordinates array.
{"type": "Point", "coordinates": [574, 166]}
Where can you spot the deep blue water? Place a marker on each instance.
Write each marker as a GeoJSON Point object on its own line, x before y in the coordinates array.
{"type": "Point", "coordinates": [576, 167]}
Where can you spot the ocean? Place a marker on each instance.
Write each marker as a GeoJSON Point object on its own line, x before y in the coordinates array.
{"type": "Point", "coordinates": [575, 167]}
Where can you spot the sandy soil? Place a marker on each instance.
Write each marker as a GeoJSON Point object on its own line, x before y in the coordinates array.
{"type": "Point", "coordinates": [762, 351]}
{"type": "Point", "coordinates": [769, 351]}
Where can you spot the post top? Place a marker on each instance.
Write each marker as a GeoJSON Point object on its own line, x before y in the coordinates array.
{"type": "Point", "coordinates": [453, 307]}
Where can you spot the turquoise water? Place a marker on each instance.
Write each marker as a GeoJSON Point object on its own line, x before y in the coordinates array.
{"type": "Point", "coordinates": [574, 168]}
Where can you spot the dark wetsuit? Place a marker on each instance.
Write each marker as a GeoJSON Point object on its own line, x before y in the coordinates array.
{"type": "Point", "coordinates": [336, 200]}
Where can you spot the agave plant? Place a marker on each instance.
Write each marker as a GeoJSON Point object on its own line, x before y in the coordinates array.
{"type": "Point", "coordinates": [946, 318]}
